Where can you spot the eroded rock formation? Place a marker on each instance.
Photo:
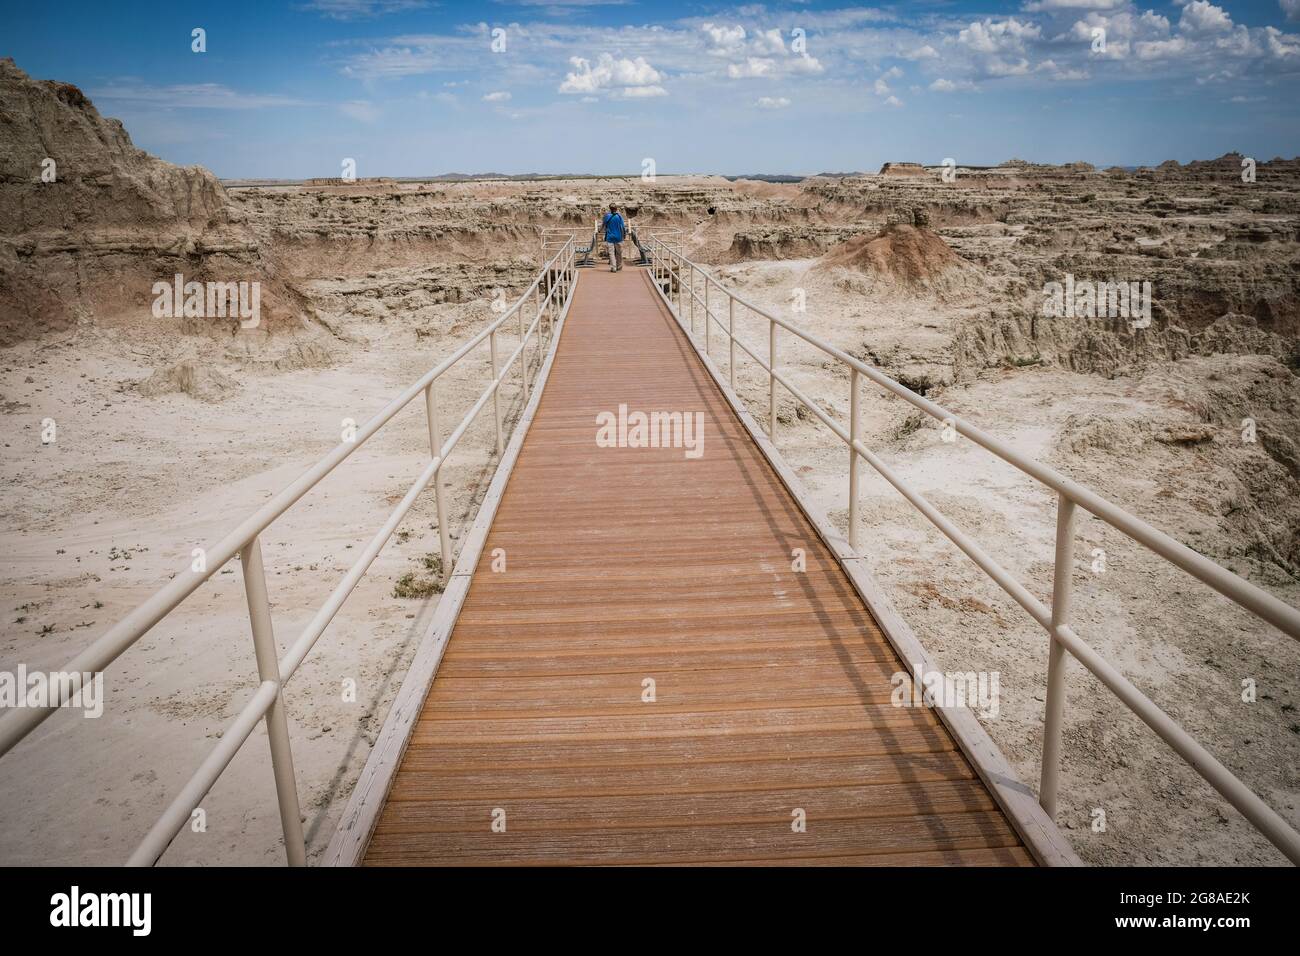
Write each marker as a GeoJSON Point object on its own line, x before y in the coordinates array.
{"type": "Point", "coordinates": [88, 222]}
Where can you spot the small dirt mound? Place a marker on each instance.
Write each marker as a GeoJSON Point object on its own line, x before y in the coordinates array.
{"type": "Point", "coordinates": [1117, 434]}
{"type": "Point", "coordinates": [908, 254]}
{"type": "Point", "coordinates": [195, 380]}
{"type": "Point", "coordinates": [304, 355]}
{"type": "Point", "coordinates": [899, 256]}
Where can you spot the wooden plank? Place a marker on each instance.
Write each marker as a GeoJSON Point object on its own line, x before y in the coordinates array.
{"type": "Point", "coordinates": [530, 811]}
{"type": "Point", "coordinates": [658, 845]}
{"type": "Point", "coordinates": [556, 660]}
{"type": "Point", "coordinates": [445, 754]}
{"type": "Point", "coordinates": [430, 780]}
{"type": "Point", "coordinates": [984, 856]}
{"type": "Point", "coordinates": [823, 717]}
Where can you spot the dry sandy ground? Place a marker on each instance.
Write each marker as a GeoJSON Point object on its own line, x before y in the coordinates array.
{"type": "Point", "coordinates": [96, 521]}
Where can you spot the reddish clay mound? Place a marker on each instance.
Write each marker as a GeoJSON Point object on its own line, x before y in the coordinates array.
{"type": "Point", "coordinates": [909, 255]}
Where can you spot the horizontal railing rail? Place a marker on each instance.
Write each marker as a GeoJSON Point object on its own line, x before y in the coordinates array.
{"type": "Point", "coordinates": [550, 237]}
{"type": "Point", "coordinates": [676, 277]}
{"type": "Point", "coordinates": [550, 292]}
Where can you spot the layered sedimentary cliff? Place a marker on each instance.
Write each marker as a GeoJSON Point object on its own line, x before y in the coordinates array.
{"type": "Point", "coordinates": [88, 222]}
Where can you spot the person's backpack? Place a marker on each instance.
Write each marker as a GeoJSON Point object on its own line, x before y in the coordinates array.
{"type": "Point", "coordinates": [613, 223]}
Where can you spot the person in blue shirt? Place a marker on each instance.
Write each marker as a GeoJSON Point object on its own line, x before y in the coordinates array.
{"type": "Point", "coordinates": [615, 229]}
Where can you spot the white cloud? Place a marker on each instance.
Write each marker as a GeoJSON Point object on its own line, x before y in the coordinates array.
{"type": "Point", "coordinates": [999, 67]}
{"type": "Point", "coordinates": [772, 103]}
{"type": "Point", "coordinates": [1281, 45]}
{"type": "Point", "coordinates": [363, 111]}
{"type": "Point", "coordinates": [409, 60]}
{"type": "Point", "coordinates": [192, 96]}
{"type": "Point", "coordinates": [612, 74]}
{"type": "Point", "coordinates": [769, 41]}
{"type": "Point", "coordinates": [1202, 17]}
{"type": "Point", "coordinates": [1161, 49]}
{"type": "Point", "coordinates": [499, 96]}
{"type": "Point", "coordinates": [893, 101]}
{"type": "Point", "coordinates": [993, 36]}
{"type": "Point", "coordinates": [1122, 29]}
{"type": "Point", "coordinates": [803, 64]}
{"type": "Point", "coordinates": [752, 67]}
{"type": "Point", "coordinates": [1055, 72]}
{"type": "Point", "coordinates": [881, 85]}
{"type": "Point", "coordinates": [1291, 8]}
{"type": "Point", "coordinates": [1039, 5]}
{"type": "Point", "coordinates": [1238, 42]}
{"type": "Point", "coordinates": [752, 44]}
{"type": "Point", "coordinates": [642, 92]}
{"type": "Point", "coordinates": [358, 9]}
{"type": "Point", "coordinates": [724, 39]}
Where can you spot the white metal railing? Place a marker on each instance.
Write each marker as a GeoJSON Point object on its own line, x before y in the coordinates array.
{"type": "Point", "coordinates": [551, 237]}
{"type": "Point", "coordinates": [550, 292]}
{"type": "Point", "coordinates": [676, 276]}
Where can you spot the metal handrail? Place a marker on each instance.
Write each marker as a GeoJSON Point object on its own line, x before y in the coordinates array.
{"type": "Point", "coordinates": [549, 236]}
{"type": "Point", "coordinates": [558, 277]}
{"type": "Point", "coordinates": [675, 275]}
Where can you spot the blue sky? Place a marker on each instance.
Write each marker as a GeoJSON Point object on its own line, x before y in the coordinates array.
{"type": "Point", "coordinates": [408, 88]}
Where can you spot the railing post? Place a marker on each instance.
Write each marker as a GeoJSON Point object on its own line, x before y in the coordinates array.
{"type": "Point", "coordinates": [537, 307]}
{"type": "Point", "coordinates": [523, 351]}
{"type": "Point", "coordinates": [692, 295]}
{"type": "Point", "coordinates": [1055, 705]}
{"type": "Point", "coordinates": [771, 378]}
{"type": "Point", "coordinates": [681, 313]}
{"type": "Point", "coordinates": [277, 721]}
{"type": "Point", "coordinates": [731, 334]}
{"type": "Point", "coordinates": [855, 462]}
{"type": "Point", "coordinates": [496, 388]}
{"type": "Point", "coordinates": [707, 323]}
{"type": "Point", "coordinates": [435, 446]}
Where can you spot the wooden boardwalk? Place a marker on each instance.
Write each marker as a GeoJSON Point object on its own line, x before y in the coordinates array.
{"type": "Point", "coordinates": [771, 687]}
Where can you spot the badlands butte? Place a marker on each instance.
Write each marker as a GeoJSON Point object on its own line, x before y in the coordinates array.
{"type": "Point", "coordinates": [171, 428]}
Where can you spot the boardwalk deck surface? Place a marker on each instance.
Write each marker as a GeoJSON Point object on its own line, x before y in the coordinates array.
{"type": "Point", "coordinates": [623, 565]}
